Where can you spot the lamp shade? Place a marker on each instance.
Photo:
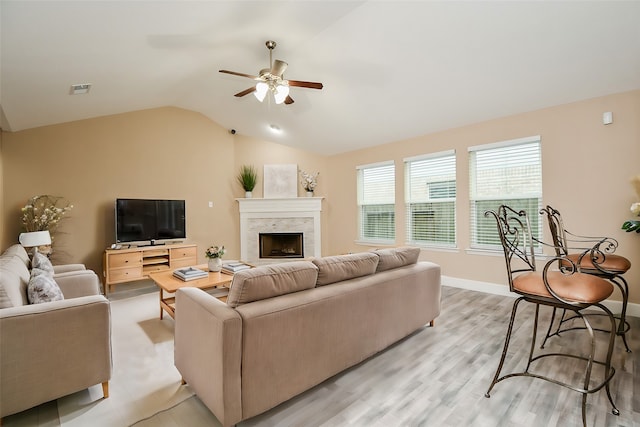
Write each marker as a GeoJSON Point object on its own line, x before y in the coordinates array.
{"type": "Point", "coordinates": [35, 238]}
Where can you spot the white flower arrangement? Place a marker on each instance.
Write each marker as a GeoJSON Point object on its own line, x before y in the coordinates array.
{"type": "Point", "coordinates": [309, 181]}
{"type": "Point", "coordinates": [43, 213]}
{"type": "Point", "coordinates": [214, 252]}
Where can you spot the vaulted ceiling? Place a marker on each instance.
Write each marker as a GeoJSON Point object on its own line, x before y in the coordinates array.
{"type": "Point", "coordinates": [391, 69]}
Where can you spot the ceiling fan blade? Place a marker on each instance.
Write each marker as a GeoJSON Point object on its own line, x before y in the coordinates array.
{"type": "Point", "coordinates": [288, 100]}
{"type": "Point", "coordinates": [246, 92]}
{"type": "Point", "coordinates": [278, 67]}
{"type": "Point", "coordinates": [239, 74]}
{"type": "Point", "coordinates": [311, 85]}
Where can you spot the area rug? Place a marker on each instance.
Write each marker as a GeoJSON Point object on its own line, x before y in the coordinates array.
{"type": "Point", "coordinates": [144, 380]}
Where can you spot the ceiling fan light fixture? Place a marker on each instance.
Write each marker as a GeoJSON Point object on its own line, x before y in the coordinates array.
{"type": "Point", "coordinates": [281, 93]}
{"type": "Point", "coordinates": [272, 80]}
{"type": "Point", "coordinates": [261, 91]}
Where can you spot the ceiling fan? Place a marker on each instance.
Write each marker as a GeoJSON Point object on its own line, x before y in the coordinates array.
{"type": "Point", "coordinates": [271, 80]}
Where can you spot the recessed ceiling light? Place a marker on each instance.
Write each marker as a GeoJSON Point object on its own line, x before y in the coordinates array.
{"type": "Point", "coordinates": [275, 128]}
{"type": "Point", "coordinates": [80, 89]}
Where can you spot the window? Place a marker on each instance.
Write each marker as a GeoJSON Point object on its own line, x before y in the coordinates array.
{"type": "Point", "coordinates": [508, 173]}
{"type": "Point", "coordinates": [376, 203]}
{"type": "Point", "coordinates": [430, 196]}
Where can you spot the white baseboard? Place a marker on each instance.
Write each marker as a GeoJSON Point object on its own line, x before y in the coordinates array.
{"type": "Point", "coordinates": [493, 288]}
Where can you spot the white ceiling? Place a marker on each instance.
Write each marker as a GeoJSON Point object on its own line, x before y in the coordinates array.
{"type": "Point", "coordinates": [391, 69]}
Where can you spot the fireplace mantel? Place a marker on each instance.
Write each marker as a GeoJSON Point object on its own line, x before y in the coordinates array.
{"type": "Point", "coordinates": [295, 204]}
{"type": "Point", "coordinates": [298, 214]}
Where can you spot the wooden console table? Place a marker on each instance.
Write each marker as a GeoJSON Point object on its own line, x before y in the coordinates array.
{"type": "Point", "coordinates": [136, 263]}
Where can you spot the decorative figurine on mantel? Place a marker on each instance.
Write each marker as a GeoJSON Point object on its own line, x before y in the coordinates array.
{"type": "Point", "coordinates": [309, 182]}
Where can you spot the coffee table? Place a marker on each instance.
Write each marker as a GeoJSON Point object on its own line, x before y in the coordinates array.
{"type": "Point", "coordinates": [167, 282]}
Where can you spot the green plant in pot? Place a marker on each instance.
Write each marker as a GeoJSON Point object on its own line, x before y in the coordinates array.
{"type": "Point", "coordinates": [248, 177]}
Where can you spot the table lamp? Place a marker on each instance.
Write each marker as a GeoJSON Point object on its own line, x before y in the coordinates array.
{"type": "Point", "coordinates": [33, 239]}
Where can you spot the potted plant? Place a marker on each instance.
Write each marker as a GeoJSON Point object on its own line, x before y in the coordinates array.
{"type": "Point", "coordinates": [248, 178]}
{"type": "Point", "coordinates": [214, 255]}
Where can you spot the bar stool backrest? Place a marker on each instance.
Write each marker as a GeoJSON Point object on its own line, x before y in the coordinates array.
{"type": "Point", "coordinates": [517, 240]}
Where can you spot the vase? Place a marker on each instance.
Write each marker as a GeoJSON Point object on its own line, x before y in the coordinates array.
{"type": "Point", "coordinates": [309, 193]}
{"type": "Point", "coordinates": [215, 264]}
{"type": "Point", "coordinates": [247, 194]}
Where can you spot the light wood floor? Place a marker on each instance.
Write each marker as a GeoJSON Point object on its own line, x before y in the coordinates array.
{"type": "Point", "coordinates": [438, 377]}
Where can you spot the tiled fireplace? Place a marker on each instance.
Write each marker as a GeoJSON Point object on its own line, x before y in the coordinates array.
{"type": "Point", "coordinates": [282, 219]}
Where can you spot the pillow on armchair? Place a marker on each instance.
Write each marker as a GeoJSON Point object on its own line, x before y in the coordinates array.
{"type": "Point", "coordinates": [42, 287]}
{"type": "Point", "coordinates": [41, 262]}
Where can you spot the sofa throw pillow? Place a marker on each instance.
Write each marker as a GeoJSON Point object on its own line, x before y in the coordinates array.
{"type": "Point", "coordinates": [19, 251]}
{"type": "Point", "coordinates": [5, 301]}
{"type": "Point", "coordinates": [42, 287]}
{"type": "Point", "coordinates": [332, 269]}
{"type": "Point", "coordinates": [41, 262]}
{"type": "Point", "coordinates": [396, 257]}
{"type": "Point", "coordinates": [271, 281]}
{"type": "Point", "coordinates": [14, 276]}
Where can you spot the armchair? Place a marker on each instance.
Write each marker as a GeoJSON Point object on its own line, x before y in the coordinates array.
{"type": "Point", "coordinates": [51, 349]}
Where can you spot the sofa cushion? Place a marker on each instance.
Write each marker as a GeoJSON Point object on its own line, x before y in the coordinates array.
{"type": "Point", "coordinates": [5, 302]}
{"type": "Point", "coordinates": [14, 277]}
{"type": "Point", "coordinates": [15, 265]}
{"type": "Point", "coordinates": [41, 262]}
{"type": "Point", "coordinates": [19, 251]}
{"type": "Point", "coordinates": [332, 269]}
{"type": "Point", "coordinates": [42, 287]}
{"type": "Point", "coordinates": [271, 281]}
{"type": "Point", "coordinates": [396, 257]}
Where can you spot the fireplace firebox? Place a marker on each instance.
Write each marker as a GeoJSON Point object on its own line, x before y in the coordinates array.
{"type": "Point", "coordinates": [281, 245]}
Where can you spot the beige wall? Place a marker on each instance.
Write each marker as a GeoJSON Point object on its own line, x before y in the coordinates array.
{"type": "Point", "coordinates": [159, 153]}
{"type": "Point", "coordinates": [586, 171]}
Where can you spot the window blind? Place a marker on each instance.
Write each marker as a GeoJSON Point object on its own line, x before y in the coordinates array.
{"type": "Point", "coordinates": [376, 202]}
{"type": "Point", "coordinates": [508, 173]}
{"type": "Point", "coordinates": [430, 197]}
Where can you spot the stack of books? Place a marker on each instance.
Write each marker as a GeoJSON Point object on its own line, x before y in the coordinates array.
{"type": "Point", "coordinates": [190, 273]}
{"type": "Point", "coordinates": [234, 267]}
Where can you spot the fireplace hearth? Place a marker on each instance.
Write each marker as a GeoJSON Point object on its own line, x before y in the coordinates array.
{"type": "Point", "coordinates": [281, 245]}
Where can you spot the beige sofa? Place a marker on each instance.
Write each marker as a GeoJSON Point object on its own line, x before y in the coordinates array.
{"type": "Point", "coordinates": [287, 327]}
{"type": "Point", "coordinates": [51, 349]}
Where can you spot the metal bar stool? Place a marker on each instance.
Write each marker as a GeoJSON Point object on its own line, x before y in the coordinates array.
{"type": "Point", "coordinates": [594, 255]}
{"type": "Point", "coordinates": [566, 289]}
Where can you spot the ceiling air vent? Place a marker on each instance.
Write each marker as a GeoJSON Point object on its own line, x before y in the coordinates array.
{"type": "Point", "coordinates": [80, 89]}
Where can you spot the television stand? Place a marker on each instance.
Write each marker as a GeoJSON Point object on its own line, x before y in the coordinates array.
{"type": "Point", "coordinates": [135, 263]}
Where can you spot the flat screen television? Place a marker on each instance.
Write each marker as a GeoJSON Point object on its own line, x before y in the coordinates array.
{"type": "Point", "coordinates": [140, 220]}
